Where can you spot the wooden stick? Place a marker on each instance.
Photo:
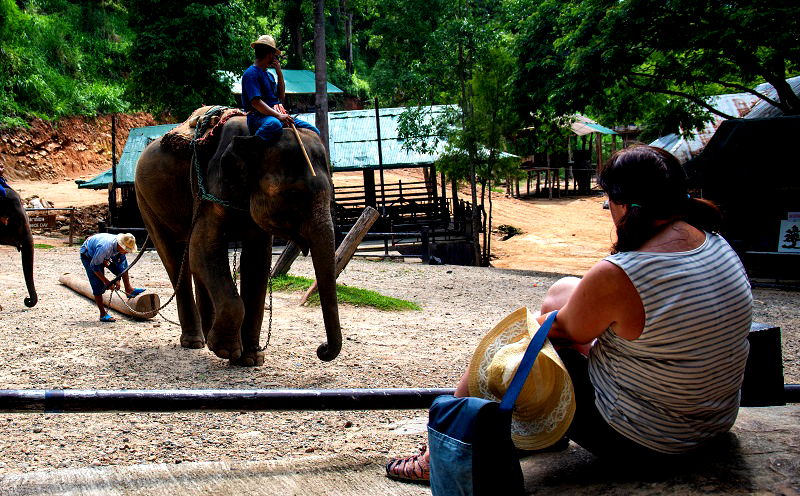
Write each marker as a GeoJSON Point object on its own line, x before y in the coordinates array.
{"type": "Point", "coordinates": [303, 147]}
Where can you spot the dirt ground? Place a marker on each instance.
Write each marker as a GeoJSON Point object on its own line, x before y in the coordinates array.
{"type": "Point", "coordinates": [60, 344]}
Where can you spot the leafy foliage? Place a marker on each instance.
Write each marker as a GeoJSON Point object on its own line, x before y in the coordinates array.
{"type": "Point", "coordinates": [175, 67]}
{"type": "Point", "coordinates": [60, 58]}
{"type": "Point", "coordinates": [630, 61]}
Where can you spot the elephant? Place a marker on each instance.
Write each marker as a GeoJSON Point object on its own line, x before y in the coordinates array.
{"type": "Point", "coordinates": [259, 191]}
{"type": "Point", "coordinates": [15, 230]}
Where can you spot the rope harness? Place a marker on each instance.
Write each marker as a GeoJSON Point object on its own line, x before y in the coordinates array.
{"type": "Point", "coordinates": [202, 194]}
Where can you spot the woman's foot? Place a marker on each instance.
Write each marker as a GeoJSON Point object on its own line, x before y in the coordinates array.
{"type": "Point", "coordinates": [415, 468]}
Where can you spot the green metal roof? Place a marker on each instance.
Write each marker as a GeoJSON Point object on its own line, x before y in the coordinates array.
{"type": "Point", "coordinates": [354, 140]}
{"type": "Point", "coordinates": [353, 143]}
{"type": "Point", "coordinates": [138, 138]}
{"type": "Point", "coordinates": [298, 82]}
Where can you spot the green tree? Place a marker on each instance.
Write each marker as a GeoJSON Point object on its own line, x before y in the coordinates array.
{"type": "Point", "coordinates": [176, 67]}
{"type": "Point", "coordinates": [454, 54]}
{"type": "Point", "coordinates": [652, 61]}
{"type": "Point", "coordinates": [60, 58]}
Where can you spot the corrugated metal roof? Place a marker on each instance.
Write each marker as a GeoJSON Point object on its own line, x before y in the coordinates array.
{"type": "Point", "coordinates": [353, 143]}
{"type": "Point", "coordinates": [739, 105]}
{"type": "Point", "coordinates": [138, 139]}
{"type": "Point", "coordinates": [353, 139]}
{"type": "Point", "coordinates": [763, 110]}
{"type": "Point", "coordinates": [298, 82]}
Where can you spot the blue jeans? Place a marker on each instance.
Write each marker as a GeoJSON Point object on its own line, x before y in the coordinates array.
{"type": "Point", "coordinates": [270, 128]}
{"type": "Point", "coordinates": [117, 264]}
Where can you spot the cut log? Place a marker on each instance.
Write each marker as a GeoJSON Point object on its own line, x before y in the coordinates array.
{"type": "Point", "coordinates": [144, 306]}
{"type": "Point", "coordinates": [349, 245]}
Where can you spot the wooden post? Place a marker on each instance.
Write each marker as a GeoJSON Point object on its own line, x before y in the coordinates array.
{"type": "Point", "coordinates": [288, 256]}
{"type": "Point", "coordinates": [145, 306]}
{"type": "Point", "coordinates": [599, 142]}
{"type": "Point", "coordinates": [349, 245]}
{"type": "Point", "coordinates": [369, 188]}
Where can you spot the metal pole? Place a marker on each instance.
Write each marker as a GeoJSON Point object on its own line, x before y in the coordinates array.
{"type": "Point", "coordinates": [172, 400]}
{"type": "Point", "coordinates": [380, 152]}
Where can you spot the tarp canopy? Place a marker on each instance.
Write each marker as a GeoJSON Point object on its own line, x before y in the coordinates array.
{"type": "Point", "coordinates": [353, 144]}
{"type": "Point", "coordinates": [584, 125]}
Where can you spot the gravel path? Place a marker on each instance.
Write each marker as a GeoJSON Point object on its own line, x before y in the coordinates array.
{"type": "Point", "coordinates": [60, 344]}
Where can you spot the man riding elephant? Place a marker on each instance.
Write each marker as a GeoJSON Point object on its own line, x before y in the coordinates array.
{"type": "Point", "coordinates": [262, 95]}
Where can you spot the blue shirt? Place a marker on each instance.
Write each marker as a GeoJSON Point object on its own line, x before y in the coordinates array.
{"type": "Point", "coordinates": [99, 248]}
{"type": "Point", "coordinates": [258, 83]}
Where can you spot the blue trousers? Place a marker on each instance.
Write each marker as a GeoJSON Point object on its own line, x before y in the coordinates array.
{"type": "Point", "coordinates": [270, 128]}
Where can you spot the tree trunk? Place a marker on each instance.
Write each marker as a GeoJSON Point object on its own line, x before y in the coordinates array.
{"type": "Point", "coordinates": [294, 22]}
{"type": "Point", "coordinates": [321, 73]}
{"type": "Point", "coordinates": [348, 38]}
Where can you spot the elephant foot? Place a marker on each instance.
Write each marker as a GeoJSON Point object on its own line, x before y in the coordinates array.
{"type": "Point", "coordinates": [230, 348]}
{"type": "Point", "coordinates": [192, 342]}
{"type": "Point", "coordinates": [254, 358]}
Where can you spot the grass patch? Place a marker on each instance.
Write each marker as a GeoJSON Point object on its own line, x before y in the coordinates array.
{"type": "Point", "coordinates": [346, 294]}
{"type": "Point", "coordinates": [42, 246]}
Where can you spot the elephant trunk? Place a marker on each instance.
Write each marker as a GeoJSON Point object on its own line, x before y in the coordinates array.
{"type": "Point", "coordinates": [26, 247]}
{"type": "Point", "coordinates": [323, 256]}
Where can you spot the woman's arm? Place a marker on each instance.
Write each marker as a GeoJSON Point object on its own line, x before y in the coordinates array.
{"type": "Point", "coordinates": [605, 297]}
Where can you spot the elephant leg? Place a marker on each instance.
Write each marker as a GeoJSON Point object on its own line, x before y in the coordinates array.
{"type": "Point", "coordinates": [255, 264]}
{"type": "Point", "coordinates": [172, 255]}
{"type": "Point", "coordinates": [208, 256]}
{"type": "Point", "coordinates": [204, 305]}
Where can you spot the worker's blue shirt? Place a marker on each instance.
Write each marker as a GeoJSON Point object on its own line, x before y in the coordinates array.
{"type": "Point", "coordinates": [99, 248]}
{"type": "Point", "coordinates": [258, 83]}
{"type": "Point", "coordinates": [3, 186]}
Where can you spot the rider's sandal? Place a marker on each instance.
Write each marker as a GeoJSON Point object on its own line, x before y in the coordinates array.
{"type": "Point", "coordinates": [107, 318]}
{"type": "Point", "coordinates": [413, 468]}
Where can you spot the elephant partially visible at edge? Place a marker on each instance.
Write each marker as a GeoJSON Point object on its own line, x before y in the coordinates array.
{"type": "Point", "coordinates": [15, 230]}
{"type": "Point", "coordinates": [270, 191]}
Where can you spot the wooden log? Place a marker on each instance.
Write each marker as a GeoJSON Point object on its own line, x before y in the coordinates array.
{"type": "Point", "coordinates": [144, 306]}
{"type": "Point", "coordinates": [288, 256]}
{"type": "Point", "coordinates": [349, 244]}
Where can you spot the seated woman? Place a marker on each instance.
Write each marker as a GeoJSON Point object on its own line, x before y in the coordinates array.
{"type": "Point", "coordinates": [654, 336]}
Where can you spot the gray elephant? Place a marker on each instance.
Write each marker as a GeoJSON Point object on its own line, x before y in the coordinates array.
{"type": "Point", "coordinates": [16, 231]}
{"type": "Point", "coordinates": [259, 191]}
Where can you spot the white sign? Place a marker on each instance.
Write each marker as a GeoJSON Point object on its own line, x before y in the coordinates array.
{"type": "Point", "coordinates": [789, 238]}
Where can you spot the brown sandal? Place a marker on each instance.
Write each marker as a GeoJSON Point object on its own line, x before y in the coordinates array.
{"type": "Point", "coordinates": [413, 468]}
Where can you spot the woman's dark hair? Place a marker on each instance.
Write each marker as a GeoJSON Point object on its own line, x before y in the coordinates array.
{"type": "Point", "coordinates": [652, 184]}
{"type": "Point", "coordinates": [262, 50]}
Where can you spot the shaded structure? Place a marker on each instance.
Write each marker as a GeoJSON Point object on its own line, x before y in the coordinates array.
{"type": "Point", "coordinates": [757, 208]}
{"type": "Point", "coordinates": [741, 105]}
{"type": "Point", "coordinates": [575, 165]}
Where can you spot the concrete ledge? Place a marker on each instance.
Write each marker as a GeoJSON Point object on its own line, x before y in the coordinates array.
{"type": "Point", "coordinates": [761, 455]}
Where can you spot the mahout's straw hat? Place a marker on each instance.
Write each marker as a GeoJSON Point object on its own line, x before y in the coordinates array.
{"type": "Point", "coordinates": [127, 241]}
{"type": "Point", "coordinates": [546, 405]}
{"type": "Point", "coordinates": [268, 40]}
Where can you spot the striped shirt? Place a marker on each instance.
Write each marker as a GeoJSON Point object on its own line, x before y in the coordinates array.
{"type": "Point", "coordinates": [677, 385]}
